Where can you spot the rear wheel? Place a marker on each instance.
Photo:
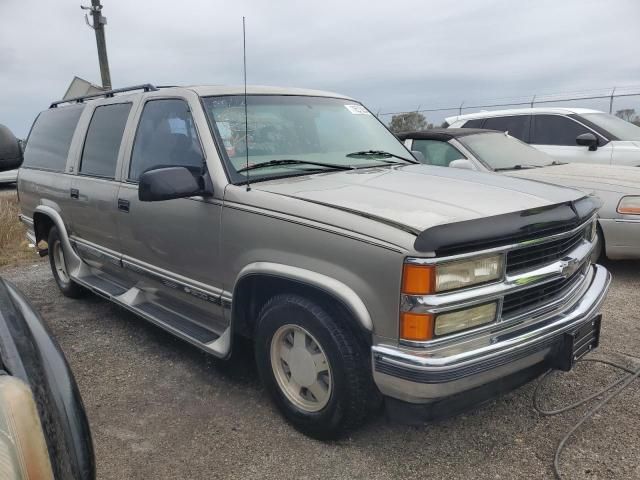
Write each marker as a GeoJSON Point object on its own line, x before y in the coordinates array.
{"type": "Point", "coordinates": [58, 263]}
{"type": "Point", "coordinates": [315, 370]}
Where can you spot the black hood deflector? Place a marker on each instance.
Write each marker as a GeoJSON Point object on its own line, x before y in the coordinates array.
{"type": "Point", "coordinates": [499, 230]}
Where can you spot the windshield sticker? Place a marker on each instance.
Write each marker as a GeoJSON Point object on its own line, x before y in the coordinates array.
{"type": "Point", "coordinates": [357, 109]}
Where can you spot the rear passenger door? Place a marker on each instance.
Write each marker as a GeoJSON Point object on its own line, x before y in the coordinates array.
{"type": "Point", "coordinates": [556, 136]}
{"type": "Point", "coordinates": [94, 189]}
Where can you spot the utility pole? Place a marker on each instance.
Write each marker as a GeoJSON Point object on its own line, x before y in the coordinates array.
{"type": "Point", "coordinates": [99, 21]}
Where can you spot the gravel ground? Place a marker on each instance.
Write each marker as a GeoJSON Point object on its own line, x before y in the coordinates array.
{"type": "Point", "coordinates": [160, 408]}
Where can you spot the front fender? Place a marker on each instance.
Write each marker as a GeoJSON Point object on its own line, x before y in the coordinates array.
{"type": "Point", "coordinates": [330, 285]}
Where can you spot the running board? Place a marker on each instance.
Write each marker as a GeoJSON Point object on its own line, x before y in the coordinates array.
{"type": "Point", "coordinates": [177, 322]}
{"type": "Point", "coordinates": [161, 313]}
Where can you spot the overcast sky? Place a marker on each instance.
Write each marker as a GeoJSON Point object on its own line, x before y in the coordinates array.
{"type": "Point", "coordinates": [392, 55]}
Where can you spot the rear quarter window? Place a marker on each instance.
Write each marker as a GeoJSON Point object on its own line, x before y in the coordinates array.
{"type": "Point", "coordinates": [50, 138]}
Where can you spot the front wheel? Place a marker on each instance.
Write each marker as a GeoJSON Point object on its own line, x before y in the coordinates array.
{"type": "Point", "coordinates": [315, 370]}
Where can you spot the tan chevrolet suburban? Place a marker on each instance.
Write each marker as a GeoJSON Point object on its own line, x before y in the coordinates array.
{"type": "Point", "coordinates": [295, 218]}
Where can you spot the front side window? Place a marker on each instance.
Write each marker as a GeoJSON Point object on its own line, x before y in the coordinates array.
{"type": "Point", "coordinates": [515, 125]}
{"type": "Point", "coordinates": [437, 152]}
{"type": "Point", "coordinates": [555, 130]}
{"type": "Point", "coordinates": [166, 137]}
{"type": "Point", "coordinates": [104, 136]}
{"type": "Point", "coordinates": [298, 134]}
{"type": "Point", "coordinates": [50, 138]}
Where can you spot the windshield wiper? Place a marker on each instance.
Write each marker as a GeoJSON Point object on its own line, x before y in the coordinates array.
{"type": "Point", "coordinates": [275, 163]}
{"type": "Point", "coordinates": [378, 153]}
{"type": "Point", "coordinates": [555, 162]}
{"type": "Point", "coordinates": [517, 167]}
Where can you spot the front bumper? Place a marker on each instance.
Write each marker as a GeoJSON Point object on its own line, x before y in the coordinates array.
{"type": "Point", "coordinates": [621, 237]}
{"type": "Point", "coordinates": [419, 376]}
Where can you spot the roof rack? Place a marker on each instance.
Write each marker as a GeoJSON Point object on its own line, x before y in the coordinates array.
{"type": "Point", "coordinates": [147, 87]}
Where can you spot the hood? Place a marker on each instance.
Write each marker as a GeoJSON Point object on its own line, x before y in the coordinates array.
{"type": "Point", "coordinates": [586, 177]}
{"type": "Point", "coordinates": [417, 197]}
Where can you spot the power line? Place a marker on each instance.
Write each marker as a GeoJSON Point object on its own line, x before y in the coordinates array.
{"type": "Point", "coordinates": [614, 92]}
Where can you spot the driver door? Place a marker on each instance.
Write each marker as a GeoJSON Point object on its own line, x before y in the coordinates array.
{"type": "Point", "coordinates": [171, 247]}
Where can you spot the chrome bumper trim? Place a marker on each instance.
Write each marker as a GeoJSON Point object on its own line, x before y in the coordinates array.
{"type": "Point", "coordinates": [420, 376]}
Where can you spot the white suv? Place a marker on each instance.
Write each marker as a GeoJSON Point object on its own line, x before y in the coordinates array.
{"type": "Point", "coordinates": [567, 134]}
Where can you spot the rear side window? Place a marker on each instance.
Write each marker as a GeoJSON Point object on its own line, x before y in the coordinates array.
{"type": "Point", "coordinates": [50, 138]}
{"type": "Point", "coordinates": [436, 152]}
{"type": "Point", "coordinates": [166, 137]}
{"type": "Point", "coordinates": [476, 123]}
{"type": "Point", "coordinates": [516, 125]}
{"type": "Point", "coordinates": [104, 136]}
{"type": "Point", "coordinates": [555, 130]}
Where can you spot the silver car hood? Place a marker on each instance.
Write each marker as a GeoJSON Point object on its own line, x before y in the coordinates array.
{"type": "Point", "coordinates": [587, 177]}
{"type": "Point", "coordinates": [417, 197]}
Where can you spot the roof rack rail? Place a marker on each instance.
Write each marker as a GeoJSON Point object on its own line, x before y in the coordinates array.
{"type": "Point", "coordinates": [147, 87]}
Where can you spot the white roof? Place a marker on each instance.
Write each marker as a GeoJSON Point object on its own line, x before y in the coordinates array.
{"type": "Point", "coordinates": [521, 111]}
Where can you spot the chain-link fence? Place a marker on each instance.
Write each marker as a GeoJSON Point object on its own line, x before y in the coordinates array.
{"type": "Point", "coordinates": [612, 100]}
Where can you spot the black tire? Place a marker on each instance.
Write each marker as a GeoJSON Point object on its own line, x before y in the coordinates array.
{"type": "Point", "coordinates": [67, 286]}
{"type": "Point", "coordinates": [352, 383]}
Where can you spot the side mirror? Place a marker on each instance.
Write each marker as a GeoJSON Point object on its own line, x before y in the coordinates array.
{"type": "Point", "coordinates": [588, 140]}
{"type": "Point", "coordinates": [462, 163]}
{"type": "Point", "coordinates": [170, 183]}
{"type": "Point", "coordinates": [418, 155]}
{"type": "Point", "coordinates": [10, 150]}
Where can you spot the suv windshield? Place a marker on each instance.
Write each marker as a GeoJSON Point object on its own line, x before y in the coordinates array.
{"type": "Point", "coordinates": [616, 126]}
{"type": "Point", "coordinates": [500, 151]}
{"type": "Point", "coordinates": [289, 131]}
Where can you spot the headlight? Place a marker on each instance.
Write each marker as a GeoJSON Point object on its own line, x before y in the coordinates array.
{"type": "Point", "coordinates": [629, 205]}
{"type": "Point", "coordinates": [427, 279]}
{"type": "Point", "coordinates": [421, 327]}
{"type": "Point", "coordinates": [450, 276]}
{"type": "Point", "coordinates": [457, 321]}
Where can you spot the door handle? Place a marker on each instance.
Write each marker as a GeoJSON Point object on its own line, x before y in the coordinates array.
{"type": "Point", "coordinates": [74, 193]}
{"type": "Point", "coordinates": [123, 205]}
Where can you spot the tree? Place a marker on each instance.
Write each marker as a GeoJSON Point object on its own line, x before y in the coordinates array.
{"type": "Point", "coordinates": [628, 114]}
{"type": "Point", "coordinates": [408, 122]}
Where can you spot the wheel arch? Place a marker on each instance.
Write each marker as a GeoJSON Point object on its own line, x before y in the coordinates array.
{"type": "Point", "coordinates": [46, 217]}
{"type": "Point", "coordinates": [262, 280]}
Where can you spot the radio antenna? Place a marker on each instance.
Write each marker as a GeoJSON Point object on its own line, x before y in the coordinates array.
{"type": "Point", "coordinates": [246, 119]}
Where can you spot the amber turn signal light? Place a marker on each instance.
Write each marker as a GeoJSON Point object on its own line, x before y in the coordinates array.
{"type": "Point", "coordinates": [418, 279]}
{"type": "Point", "coordinates": [416, 327]}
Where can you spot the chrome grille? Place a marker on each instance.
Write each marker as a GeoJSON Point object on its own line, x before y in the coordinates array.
{"type": "Point", "coordinates": [542, 253]}
{"type": "Point", "coordinates": [531, 298]}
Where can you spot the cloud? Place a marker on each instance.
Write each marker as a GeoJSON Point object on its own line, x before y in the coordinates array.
{"type": "Point", "coordinates": [391, 55]}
